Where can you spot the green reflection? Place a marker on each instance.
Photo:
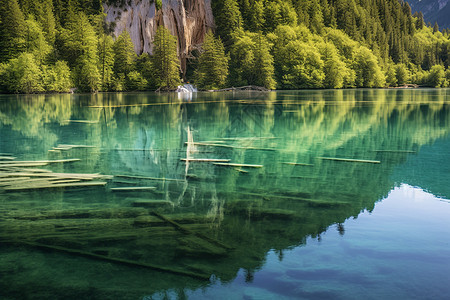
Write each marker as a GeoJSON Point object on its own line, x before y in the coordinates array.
{"type": "Point", "coordinates": [141, 137]}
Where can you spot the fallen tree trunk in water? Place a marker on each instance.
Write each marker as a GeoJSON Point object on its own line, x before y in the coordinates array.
{"type": "Point", "coordinates": [118, 260]}
{"type": "Point", "coordinates": [243, 88]}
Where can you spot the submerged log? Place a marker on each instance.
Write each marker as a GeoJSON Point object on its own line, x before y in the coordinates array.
{"type": "Point", "coordinates": [148, 178]}
{"type": "Point", "coordinates": [117, 260]}
{"type": "Point", "coordinates": [243, 88]}
{"type": "Point", "coordinates": [57, 185]}
{"type": "Point", "coordinates": [231, 146]}
{"type": "Point", "coordinates": [18, 162]}
{"type": "Point", "coordinates": [238, 165]}
{"type": "Point", "coordinates": [298, 164]}
{"type": "Point", "coordinates": [184, 229]}
{"type": "Point", "coordinates": [350, 160]}
{"type": "Point", "coordinates": [395, 151]}
{"type": "Point", "coordinates": [12, 179]}
{"type": "Point", "coordinates": [76, 146]}
{"type": "Point", "coordinates": [153, 203]}
{"type": "Point", "coordinates": [250, 138]}
{"type": "Point", "coordinates": [133, 188]}
{"type": "Point", "coordinates": [82, 121]}
{"type": "Point", "coordinates": [204, 160]}
{"type": "Point", "coordinates": [7, 158]}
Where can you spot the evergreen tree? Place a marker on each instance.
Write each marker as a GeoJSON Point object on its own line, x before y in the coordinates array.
{"type": "Point", "coordinates": [165, 60]}
{"type": "Point", "coordinates": [228, 19]}
{"type": "Point", "coordinates": [12, 30]}
{"type": "Point", "coordinates": [435, 27]}
{"type": "Point", "coordinates": [106, 61]}
{"type": "Point", "coordinates": [334, 68]}
{"type": "Point", "coordinates": [391, 76]}
{"type": "Point", "coordinates": [79, 40]}
{"type": "Point", "coordinates": [135, 81]}
{"type": "Point", "coordinates": [420, 22]}
{"type": "Point", "coordinates": [263, 68]}
{"type": "Point", "coordinates": [212, 70]}
{"type": "Point", "coordinates": [252, 61]}
{"type": "Point", "coordinates": [80, 50]}
{"type": "Point", "coordinates": [402, 74]}
{"type": "Point", "coordinates": [35, 41]}
{"type": "Point", "coordinates": [278, 13]}
{"type": "Point", "coordinates": [124, 54]}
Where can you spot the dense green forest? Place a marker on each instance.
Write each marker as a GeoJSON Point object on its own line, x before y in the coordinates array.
{"type": "Point", "coordinates": [54, 45]}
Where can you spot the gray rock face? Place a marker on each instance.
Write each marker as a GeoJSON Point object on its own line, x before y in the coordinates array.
{"type": "Point", "coordinates": [188, 20]}
{"type": "Point", "coordinates": [433, 11]}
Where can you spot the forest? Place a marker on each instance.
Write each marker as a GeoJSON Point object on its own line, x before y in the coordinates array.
{"type": "Point", "coordinates": [61, 46]}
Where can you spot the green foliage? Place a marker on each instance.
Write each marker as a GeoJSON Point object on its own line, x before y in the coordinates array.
{"type": "Point", "coordinates": [165, 60]}
{"type": "Point", "coordinates": [145, 66]}
{"type": "Point", "coordinates": [158, 4]}
{"type": "Point", "coordinates": [252, 63]}
{"type": "Point", "coordinates": [136, 82]}
{"type": "Point", "coordinates": [12, 30]}
{"type": "Point", "coordinates": [81, 45]}
{"type": "Point", "coordinates": [337, 74]}
{"type": "Point", "coordinates": [437, 77]}
{"type": "Point", "coordinates": [35, 41]}
{"type": "Point", "coordinates": [288, 44]}
{"type": "Point", "coordinates": [86, 76]}
{"type": "Point", "coordinates": [228, 19]}
{"type": "Point", "coordinates": [57, 78]}
{"type": "Point", "coordinates": [278, 13]}
{"type": "Point", "coordinates": [106, 61]}
{"type": "Point", "coordinates": [367, 69]}
{"type": "Point", "coordinates": [124, 55]}
{"type": "Point", "coordinates": [22, 75]}
{"type": "Point", "coordinates": [402, 74]}
{"type": "Point", "coordinates": [212, 70]}
{"type": "Point", "coordinates": [391, 76]}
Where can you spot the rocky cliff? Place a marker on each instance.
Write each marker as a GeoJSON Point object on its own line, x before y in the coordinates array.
{"type": "Point", "coordinates": [433, 11]}
{"type": "Point", "coordinates": [188, 20]}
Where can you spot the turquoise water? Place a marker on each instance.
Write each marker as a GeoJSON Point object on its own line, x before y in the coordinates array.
{"type": "Point", "coordinates": [286, 220]}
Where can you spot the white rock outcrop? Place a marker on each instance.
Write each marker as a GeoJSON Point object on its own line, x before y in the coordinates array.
{"type": "Point", "coordinates": [188, 20]}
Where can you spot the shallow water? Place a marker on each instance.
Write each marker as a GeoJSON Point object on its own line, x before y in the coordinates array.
{"type": "Point", "coordinates": [289, 223]}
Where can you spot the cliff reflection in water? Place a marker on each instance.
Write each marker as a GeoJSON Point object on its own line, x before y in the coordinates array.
{"type": "Point", "coordinates": [230, 216]}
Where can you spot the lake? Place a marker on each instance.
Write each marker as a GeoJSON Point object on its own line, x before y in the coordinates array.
{"type": "Point", "coordinates": [327, 194]}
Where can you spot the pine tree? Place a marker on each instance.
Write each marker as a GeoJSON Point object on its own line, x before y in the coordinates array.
{"type": "Point", "coordinates": [334, 68]}
{"type": "Point", "coordinates": [35, 41]}
{"type": "Point", "coordinates": [252, 63]}
{"type": "Point", "coordinates": [435, 27]}
{"type": "Point", "coordinates": [80, 44]}
{"type": "Point", "coordinates": [212, 70]}
{"type": "Point", "coordinates": [124, 54]}
{"type": "Point", "coordinates": [165, 60]}
{"type": "Point", "coordinates": [106, 61]}
{"type": "Point", "coordinates": [12, 30]}
{"type": "Point", "coordinates": [263, 68]}
{"type": "Point", "coordinates": [228, 19]}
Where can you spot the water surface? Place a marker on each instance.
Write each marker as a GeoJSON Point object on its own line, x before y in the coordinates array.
{"type": "Point", "coordinates": [284, 221]}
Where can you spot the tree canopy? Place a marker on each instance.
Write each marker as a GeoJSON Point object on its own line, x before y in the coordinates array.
{"type": "Point", "coordinates": [54, 46]}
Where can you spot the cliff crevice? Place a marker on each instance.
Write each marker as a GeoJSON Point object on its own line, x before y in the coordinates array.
{"type": "Point", "coordinates": [188, 20]}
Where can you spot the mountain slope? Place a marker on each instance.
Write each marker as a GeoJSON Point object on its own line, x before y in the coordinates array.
{"type": "Point", "coordinates": [433, 11]}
